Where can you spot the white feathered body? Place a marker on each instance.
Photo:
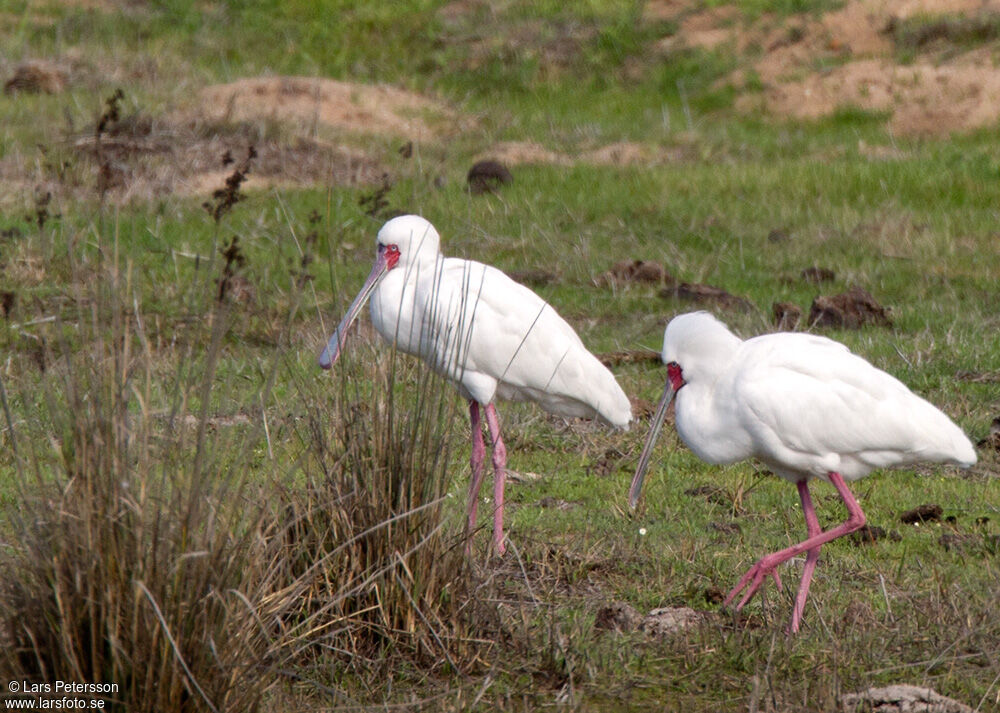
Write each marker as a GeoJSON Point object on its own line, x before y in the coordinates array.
{"type": "Point", "coordinates": [493, 337]}
{"type": "Point", "coordinates": [804, 405]}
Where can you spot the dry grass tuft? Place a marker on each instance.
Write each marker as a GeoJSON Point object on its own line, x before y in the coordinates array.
{"type": "Point", "coordinates": [128, 556]}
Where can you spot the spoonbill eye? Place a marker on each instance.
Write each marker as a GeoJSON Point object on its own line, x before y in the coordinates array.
{"type": "Point", "coordinates": [391, 255]}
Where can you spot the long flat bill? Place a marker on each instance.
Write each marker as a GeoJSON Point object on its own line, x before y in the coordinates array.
{"type": "Point", "coordinates": [647, 450]}
{"type": "Point", "coordinates": [331, 353]}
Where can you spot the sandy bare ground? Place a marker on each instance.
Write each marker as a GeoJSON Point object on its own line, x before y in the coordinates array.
{"type": "Point", "coordinates": [319, 131]}
{"type": "Point", "coordinates": [308, 101]}
{"type": "Point", "coordinates": [813, 66]}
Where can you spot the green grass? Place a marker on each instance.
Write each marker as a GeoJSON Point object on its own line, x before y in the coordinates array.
{"type": "Point", "coordinates": [917, 230]}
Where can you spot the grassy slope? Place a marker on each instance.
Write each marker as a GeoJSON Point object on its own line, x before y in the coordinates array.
{"type": "Point", "coordinates": [917, 231]}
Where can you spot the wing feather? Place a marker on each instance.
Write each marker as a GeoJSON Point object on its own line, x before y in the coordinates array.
{"type": "Point", "coordinates": [810, 398]}
{"type": "Point", "coordinates": [487, 325]}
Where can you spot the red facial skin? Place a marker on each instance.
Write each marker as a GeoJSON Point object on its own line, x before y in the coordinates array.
{"type": "Point", "coordinates": [391, 255]}
{"type": "Point", "coordinates": [675, 375]}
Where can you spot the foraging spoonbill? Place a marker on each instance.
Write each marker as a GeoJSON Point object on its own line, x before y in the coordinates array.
{"type": "Point", "coordinates": [807, 408]}
{"type": "Point", "coordinates": [490, 336]}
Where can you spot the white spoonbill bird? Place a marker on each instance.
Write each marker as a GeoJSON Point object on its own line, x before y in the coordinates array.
{"type": "Point", "coordinates": [807, 408]}
{"type": "Point", "coordinates": [489, 335]}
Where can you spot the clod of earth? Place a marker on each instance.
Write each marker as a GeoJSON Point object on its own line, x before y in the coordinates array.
{"type": "Point", "coordinates": [712, 494]}
{"type": "Point", "coordinates": [622, 617]}
{"type": "Point", "coordinates": [36, 78]}
{"type": "Point", "coordinates": [869, 534]}
{"type": "Point", "coordinates": [787, 315]}
{"type": "Point", "coordinates": [851, 310]}
{"type": "Point", "coordinates": [952, 542]}
{"type": "Point", "coordinates": [617, 616]}
{"type": "Point", "coordinates": [901, 698]}
{"type": "Point", "coordinates": [670, 620]}
{"type": "Point", "coordinates": [488, 176]}
{"type": "Point", "coordinates": [714, 595]}
{"type": "Point", "coordinates": [726, 528]}
{"type": "Point", "coordinates": [922, 513]}
{"type": "Point", "coordinates": [818, 274]}
{"type": "Point", "coordinates": [641, 271]}
{"type": "Point", "coordinates": [609, 462]}
{"type": "Point", "coordinates": [708, 295]}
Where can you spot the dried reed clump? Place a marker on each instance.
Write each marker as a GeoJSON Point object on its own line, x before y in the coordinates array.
{"type": "Point", "coordinates": [375, 577]}
{"type": "Point", "coordinates": [128, 560]}
{"type": "Point", "coordinates": [155, 555]}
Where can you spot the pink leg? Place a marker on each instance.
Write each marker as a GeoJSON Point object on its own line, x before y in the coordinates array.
{"type": "Point", "coordinates": [812, 556]}
{"type": "Point", "coordinates": [766, 565]}
{"type": "Point", "coordinates": [478, 455]}
{"type": "Point", "coordinates": [499, 475]}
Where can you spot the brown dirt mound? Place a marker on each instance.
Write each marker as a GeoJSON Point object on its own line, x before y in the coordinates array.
{"type": "Point", "coordinates": [487, 176]}
{"type": "Point", "coordinates": [37, 77]}
{"type": "Point", "coordinates": [849, 310]}
{"type": "Point", "coordinates": [360, 108]}
{"type": "Point", "coordinates": [787, 315]}
{"type": "Point", "coordinates": [707, 295]}
{"type": "Point", "coordinates": [922, 98]}
{"type": "Point", "coordinates": [814, 65]}
{"type": "Point", "coordinates": [635, 271]}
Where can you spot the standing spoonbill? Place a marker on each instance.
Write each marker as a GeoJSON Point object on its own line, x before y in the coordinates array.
{"type": "Point", "coordinates": [489, 335]}
{"type": "Point", "coordinates": [807, 408]}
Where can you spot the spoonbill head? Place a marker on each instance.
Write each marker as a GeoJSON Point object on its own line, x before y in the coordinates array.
{"type": "Point", "coordinates": [405, 242]}
{"type": "Point", "coordinates": [487, 334]}
{"type": "Point", "coordinates": [803, 405]}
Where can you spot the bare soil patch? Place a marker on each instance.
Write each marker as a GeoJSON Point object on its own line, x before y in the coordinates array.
{"type": "Point", "coordinates": [185, 159]}
{"type": "Point", "coordinates": [815, 65]}
{"type": "Point", "coordinates": [921, 98]}
{"type": "Point", "coordinates": [620, 153]}
{"type": "Point", "coordinates": [308, 101]}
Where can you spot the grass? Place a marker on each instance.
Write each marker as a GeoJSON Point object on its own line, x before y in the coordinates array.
{"type": "Point", "coordinates": [285, 443]}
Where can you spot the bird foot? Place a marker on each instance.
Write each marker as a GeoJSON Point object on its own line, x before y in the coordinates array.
{"type": "Point", "coordinates": [755, 578]}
